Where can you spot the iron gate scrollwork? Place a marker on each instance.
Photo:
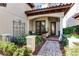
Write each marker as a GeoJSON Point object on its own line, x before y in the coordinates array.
{"type": "Point", "coordinates": [18, 28]}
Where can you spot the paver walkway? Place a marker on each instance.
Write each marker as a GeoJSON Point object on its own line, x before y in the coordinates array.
{"type": "Point", "coordinates": [50, 48]}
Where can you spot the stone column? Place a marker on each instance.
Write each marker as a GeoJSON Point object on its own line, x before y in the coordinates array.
{"type": "Point", "coordinates": [61, 28]}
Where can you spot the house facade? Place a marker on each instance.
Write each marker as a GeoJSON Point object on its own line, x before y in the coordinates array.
{"type": "Point", "coordinates": [48, 19]}
{"type": "Point", "coordinates": [13, 20]}
{"type": "Point", "coordinates": [20, 18]}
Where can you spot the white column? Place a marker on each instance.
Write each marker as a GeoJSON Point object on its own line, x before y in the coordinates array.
{"type": "Point", "coordinates": [47, 24]}
{"type": "Point", "coordinates": [27, 26]}
{"type": "Point", "coordinates": [61, 28]}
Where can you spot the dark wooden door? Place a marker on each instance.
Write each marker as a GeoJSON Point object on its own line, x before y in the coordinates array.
{"type": "Point", "coordinates": [40, 27]}
{"type": "Point", "coordinates": [53, 28]}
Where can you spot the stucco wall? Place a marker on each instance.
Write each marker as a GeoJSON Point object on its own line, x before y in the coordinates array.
{"type": "Point", "coordinates": [72, 22]}
{"type": "Point", "coordinates": [13, 11]}
{"type": "Point", "coordinates": [68, 19]}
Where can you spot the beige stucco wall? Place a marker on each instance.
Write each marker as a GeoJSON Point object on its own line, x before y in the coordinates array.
{"type": "Point", "coordinates": [13, 11]}
{"type": "Point", "coordinates": [68, 19]}
{"type": "Point", "coordinates": [72, 22]}
{"type": "Point", "coordinates": [59, 14]}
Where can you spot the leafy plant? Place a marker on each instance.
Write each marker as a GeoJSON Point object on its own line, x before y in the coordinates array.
{"type": "Point", "coordinates": [38, 40]}
{"type": "Point", "coordinates": [72, 29]}
{"type": "Point", "coordinates": [68, 30]}
{"type": "Point", "coordinates": [21, 40]}
{"type": "Point", "coordinates": [64, 41]}
{"type": "Point", "coordinates": [24, 51]}
{"type": "Point", "coordinates": [8, 48]}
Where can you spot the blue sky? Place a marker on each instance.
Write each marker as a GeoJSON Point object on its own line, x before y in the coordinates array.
{"type": "Point", "coordinates": [38, 5]}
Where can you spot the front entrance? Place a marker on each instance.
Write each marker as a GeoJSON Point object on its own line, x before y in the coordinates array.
{"type": "Point", "coordinates": [40, 27]}
{"type": "Point", "coordinates": [53, 28]}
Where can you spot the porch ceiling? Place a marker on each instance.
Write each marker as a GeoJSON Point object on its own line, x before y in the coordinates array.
{"type": "Point", "coordinates": [60, 8]}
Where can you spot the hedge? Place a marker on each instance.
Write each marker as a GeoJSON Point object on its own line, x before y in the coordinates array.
{"type": "Point", "coordinates": [72, 29]}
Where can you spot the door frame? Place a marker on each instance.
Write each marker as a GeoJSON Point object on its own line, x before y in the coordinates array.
{"type": "Point", "coordinates": [54, 28]}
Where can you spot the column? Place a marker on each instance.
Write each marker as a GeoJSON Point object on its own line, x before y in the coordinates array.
{"type": "Point", "coordinates": [47, 24]}
{"type": "Point", "coordinates": [27, 26]}
{"type": "Point", "coordinates": [61, 28]}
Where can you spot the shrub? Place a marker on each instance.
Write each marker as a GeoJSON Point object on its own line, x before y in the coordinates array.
{"type": "Point", "coordinates": [64, 41]}
{"type": "Point", "coordinates": [24, 51]}
{"type": "Point", "coordinates": [77, 29]}
{"type": "Point", "coordinates": [72, 29]}
{"type": "Point", "coordinates": [19, 40]}
{"type": "Point", "coordinates": [38, 40]}
{"type": "Point", "coordinates": [13, 40]}
{"type": "Point", "coordinates": [8, 48]}
{"type": "Point", "coordinates": [68, 30]}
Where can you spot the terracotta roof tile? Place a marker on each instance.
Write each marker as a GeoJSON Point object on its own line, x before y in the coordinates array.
{"type": "Point", "coordinates": [48, 9]}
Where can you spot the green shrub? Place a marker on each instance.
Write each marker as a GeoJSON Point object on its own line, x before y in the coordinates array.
{"type": "Point", "coordinates": [77, 29]}
{"type": "Point", "coordinates": [24, 51]}
{"type": "Point", "coordinates": [64, 41]}
{"type": "Point", "coordinates": [21, 40]}
{"type": "Point", "coordinates": [38, 40]}
{"type": "Point", "coordinates": [8, 48]}
{"type": "Point", "coordinates": [72, 29]}
{"type": "Point", "coordinates": [68, 30]}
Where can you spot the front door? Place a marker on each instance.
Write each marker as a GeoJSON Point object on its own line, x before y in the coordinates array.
{"type": "Point", "coordinates": [40, 27]}
{"type": "Point", "coordinates": [53, 28]}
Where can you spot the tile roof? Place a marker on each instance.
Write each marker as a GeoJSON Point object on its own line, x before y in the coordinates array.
{"type": "Point", "coordinates": [57, 8]}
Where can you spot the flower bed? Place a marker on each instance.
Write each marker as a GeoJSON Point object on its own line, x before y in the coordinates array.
{"type": "Point", "coordinates": [10, 49]}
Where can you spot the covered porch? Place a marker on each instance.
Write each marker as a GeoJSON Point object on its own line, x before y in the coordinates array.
{"type": "Point", "coordinates": [39, 25]}
{"type": "Point", "coordinates": [48, 20]}
{"type": "Point", "coordinates": [50, 23]}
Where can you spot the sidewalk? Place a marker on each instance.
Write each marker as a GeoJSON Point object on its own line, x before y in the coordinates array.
{"type": "Point", "coordinates": [50, 48]}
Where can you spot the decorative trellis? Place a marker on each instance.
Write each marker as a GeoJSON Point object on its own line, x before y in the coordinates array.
{"type": "Point", "coordinates": [18, 28]}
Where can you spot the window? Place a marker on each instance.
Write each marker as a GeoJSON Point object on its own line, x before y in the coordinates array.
{"type": "Point", "coordinates": [3, 4]}
{"type": "Point", "coordinates": [18, 28]}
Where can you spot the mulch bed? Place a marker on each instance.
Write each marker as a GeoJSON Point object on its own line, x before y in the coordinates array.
{"type": "Point", "coordinates": [37, 48]}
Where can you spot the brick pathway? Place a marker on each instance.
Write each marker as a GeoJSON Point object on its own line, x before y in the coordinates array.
{"type": "Point", "coordinates": [50, 48]}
